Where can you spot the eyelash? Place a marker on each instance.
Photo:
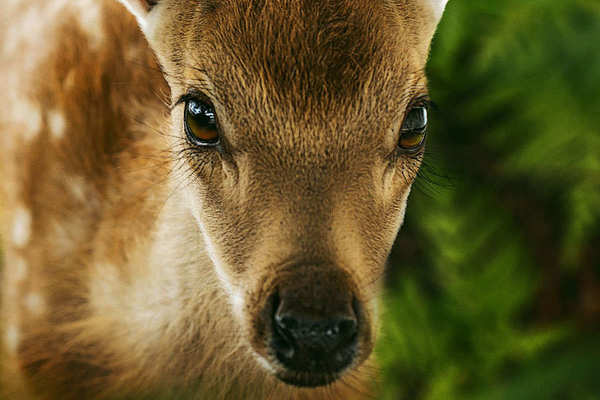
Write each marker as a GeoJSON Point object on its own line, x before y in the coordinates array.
{"type": "Point", "coordinates": [421, 101]}
{"type": "Point", "coordinates": [189, 96]}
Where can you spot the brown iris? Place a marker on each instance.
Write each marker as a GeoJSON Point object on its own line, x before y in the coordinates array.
{"type": "Point", "coordinates": [414, 128]}
{"type": "Point", "coordinates": [201, 123]}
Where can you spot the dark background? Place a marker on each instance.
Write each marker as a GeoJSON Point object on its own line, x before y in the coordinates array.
{"type": "Point", "coordinates": [494, 283]}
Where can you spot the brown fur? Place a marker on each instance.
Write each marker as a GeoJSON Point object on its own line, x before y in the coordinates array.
{"type": "Point", "coordinates": [135, 265]}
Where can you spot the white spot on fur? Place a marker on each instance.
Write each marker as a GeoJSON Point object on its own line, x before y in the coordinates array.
{"type": "Point", "coordinates": [11, 337]}
{"type": "Point", "coordinates": [90, 20]}
{"type": "Point", "coordinates": [35, 303]}
{"type": "Point", "coordinates": [31, 27]}
{"type": "Point", "coordinates": [20, 269]}
{"type": "Point", "coordinates": [57, 124]}
{"type": "Point", "coordinates": [21, 230]}
{"type": "Point", "coordinates": [31, 24]}
{"type": "Point", "coordinates": [28, 118]}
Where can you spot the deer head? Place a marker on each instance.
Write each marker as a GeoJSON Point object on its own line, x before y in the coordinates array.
{"type": "Point", "coordinates": [303, 124]}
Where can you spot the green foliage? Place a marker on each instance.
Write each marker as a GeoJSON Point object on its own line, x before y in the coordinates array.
{"type": "Point", "coordinates": [494, 283]}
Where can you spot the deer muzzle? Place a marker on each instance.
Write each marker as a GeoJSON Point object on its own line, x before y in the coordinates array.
{"type": "Point", "coordinates": [313, 325]}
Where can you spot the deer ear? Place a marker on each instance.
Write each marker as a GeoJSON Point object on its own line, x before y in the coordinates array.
{"type": "Point", "coordinates": [434, 9]}
{"type": "Point", "coordinates": [140, 9]}
{"type": "Point", "coordinates": [437, 7]}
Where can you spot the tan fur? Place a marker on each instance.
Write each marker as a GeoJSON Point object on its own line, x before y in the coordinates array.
{"type": "Point", "coordinates": [136, 266]}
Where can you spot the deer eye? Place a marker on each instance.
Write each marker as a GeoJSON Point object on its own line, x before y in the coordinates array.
{"type": "Point", "coordinates": [413, 131]}
{"type": "Point", "coordinates": [200, 123]}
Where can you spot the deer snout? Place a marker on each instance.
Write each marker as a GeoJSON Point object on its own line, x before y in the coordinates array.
{"type": "Point", "coordinates": [307, 341]}
{"type": "Point", "coordinates": [315, 325]}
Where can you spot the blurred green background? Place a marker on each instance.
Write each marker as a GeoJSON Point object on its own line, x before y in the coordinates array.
{"type": "Point", "coordinates": [494, 282]}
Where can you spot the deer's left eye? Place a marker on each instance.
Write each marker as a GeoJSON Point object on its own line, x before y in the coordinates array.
{"type": "Point", "coordinates": [200, 123]}
{"type": "Point", "coordinates": [414, 130]}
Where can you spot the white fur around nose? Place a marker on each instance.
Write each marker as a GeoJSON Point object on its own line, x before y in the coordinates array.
{"type": "Point", "coordinates": [438, 7]}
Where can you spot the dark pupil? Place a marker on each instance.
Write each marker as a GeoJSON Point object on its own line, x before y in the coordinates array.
{"type": "Point", "coordinates": [202, 114]}
{"type": "Point", "coordinates": [416, 120]}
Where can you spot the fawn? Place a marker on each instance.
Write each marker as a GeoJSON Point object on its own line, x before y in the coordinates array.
{"type": "Point", "coordinates": [199, 196]}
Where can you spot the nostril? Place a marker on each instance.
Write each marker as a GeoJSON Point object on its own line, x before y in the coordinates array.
{"type": "Point", "coordinates": [286, 322]}
{"type": "Point", "coordinates": [346, 328]}
{"type": "Point", "coordinates": [283, 341]}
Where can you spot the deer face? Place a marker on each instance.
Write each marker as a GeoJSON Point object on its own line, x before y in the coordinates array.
{"type": "Point", "coordinates": [301, 125]}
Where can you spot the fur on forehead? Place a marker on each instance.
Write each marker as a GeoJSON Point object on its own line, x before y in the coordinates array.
{"type": "Point", "coordinates": [333, 50]}
{"type": "Point", "coordinates": [140, 8]}
{"type": "Point", "coordinates": [326, 50]}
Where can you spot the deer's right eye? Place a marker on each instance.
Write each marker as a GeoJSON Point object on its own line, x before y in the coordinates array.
{"type": "Point", "coordinates": [200, 123]}
{"type": "Point", "coordinates": [414, 129]}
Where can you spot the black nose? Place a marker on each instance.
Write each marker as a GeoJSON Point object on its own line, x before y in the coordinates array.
{"type": "Point", "coordinates": [308, 342]}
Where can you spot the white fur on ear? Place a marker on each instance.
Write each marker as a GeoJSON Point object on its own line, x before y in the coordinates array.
{"type": "Point", "coordinates": [438, 7]}
{"type": "Point", "coordinates": [140, 9]}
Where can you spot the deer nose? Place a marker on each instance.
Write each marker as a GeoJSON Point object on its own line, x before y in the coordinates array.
{"type": "Point", "coordinates": [305, 341]}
